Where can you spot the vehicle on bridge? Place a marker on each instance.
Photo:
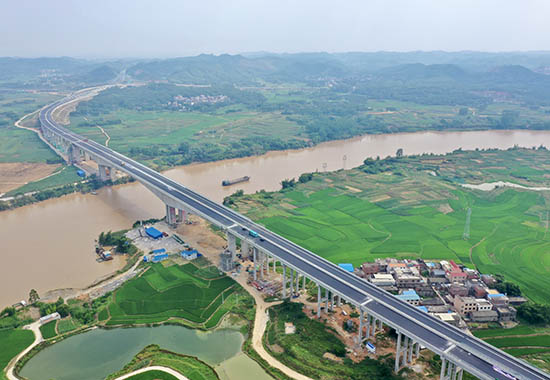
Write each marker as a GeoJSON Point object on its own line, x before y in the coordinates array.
{"type": "Point", "coordinates": [252, 233]}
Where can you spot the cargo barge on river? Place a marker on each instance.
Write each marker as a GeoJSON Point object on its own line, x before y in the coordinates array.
{"type": "Point", "coordinates": [229, 182]}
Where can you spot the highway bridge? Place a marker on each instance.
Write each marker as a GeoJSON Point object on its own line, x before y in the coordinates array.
{"type": "Point", "coordinates": [415, 328]}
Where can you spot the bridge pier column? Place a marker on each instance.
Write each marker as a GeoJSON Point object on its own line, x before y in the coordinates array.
{"type": "Point", "coordinates": [367, 335]}
{"type": "Point", "coordinates": [411, 346]}
{"type": "Point", "coordinates": [74, 154]}
{"type": "Point", "coordinates": [406, 351]}
{"type": "Point", "coordinates": [244, 248]}
{"type": "Point", "coordinates": [231, 245]}
{"type": "Point", "coordinates": [182, 216]}
{"type": "Point", "coordinates": [373, 326]}
{"type": "Point", "coordinates": [443, 373]}
{"type": "Point", "coordinates": [318, 301]}
{"type": "Point", "coordinates": [417, 352]}
{"type": "Point", "coordinates": [304, 282]}
{"type": "Point", "coordinates": [291, 283]}
{"type": "Point", "coordinates": [171, 218]}
{"type": "Point", "coordinates": [327, 297]}
{"type": "Point", "coordinates": [398, 353]}
{"type": "Point", "coordinates": [460, 372]}
{"type": "Point", "coordinates": [297, 282]}
{"type": "Point", "coordinates": [361, 317]}
{"type": "Point", "coordinates": [284, 281]}
{"type": "Point", "coordinates": [255, 259]}
{"type": "Point", "coordinates": [104, 173]}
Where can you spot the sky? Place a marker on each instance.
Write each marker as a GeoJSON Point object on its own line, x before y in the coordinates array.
{"type": "Point", "coordinates": [174, 28]}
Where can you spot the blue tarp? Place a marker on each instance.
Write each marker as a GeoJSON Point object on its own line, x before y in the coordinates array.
{"type": "Point", "coordinates": [160, 250]}
{"type": "Point", "coordinates": [423, 308]}
{"type": "Point", "coordinates": [153, 232]}
{"type": "Point", "coordinates": [346, 266]}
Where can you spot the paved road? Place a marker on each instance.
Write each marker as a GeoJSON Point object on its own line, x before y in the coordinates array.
{"type": "Point", "coordinates": [467, 351]}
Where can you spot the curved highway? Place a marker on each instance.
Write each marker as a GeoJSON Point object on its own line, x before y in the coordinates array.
{"type": "Point", "coordinates": [470, 353]}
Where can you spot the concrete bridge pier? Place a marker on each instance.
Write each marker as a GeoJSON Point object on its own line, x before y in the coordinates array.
{"type": "Point", "coordinates": [74, 154]}
{"type": "Point", "coordinates": [231, 245]}
{"type": "Point", "coordinates": [106, 173]}
{"type": "Point", "coordinates": [284, 281]}
{"type": "Point", "coordinates": [182, 216]}
{"type": "Point", "coordinates": [245, 247]}
{"type": "Point", "coordinates": [318, 301]}
{"type": "Point", "coordinates": [171, 218]}
{"type": "Point", "coordinates": [255, 259]}
{"type": "Point", "coordinates": [450, 371]}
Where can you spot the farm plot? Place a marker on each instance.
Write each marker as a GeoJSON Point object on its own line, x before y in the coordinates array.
{"type": "Point", "coordinates": [507, 231]}
{"type": "Point", "coordinates": [167, 292]}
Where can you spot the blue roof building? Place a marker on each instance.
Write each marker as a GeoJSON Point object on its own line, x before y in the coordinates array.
{"type": "Point", "coordinates": [347, 267]}
{"type": "Point", "coordinates": [153, 232]}
{"type": "Point", "coordinates": [409, 296]}
{"type": "Point", "coordinates": [159, 257]}
{"type": "Point", "coordinates": [160, 250]}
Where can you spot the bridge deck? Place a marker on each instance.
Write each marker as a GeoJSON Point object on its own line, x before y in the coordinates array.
{"type": "Point", "coordinates": [468, 352]}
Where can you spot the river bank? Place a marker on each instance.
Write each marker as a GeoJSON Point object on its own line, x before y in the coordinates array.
{"type": "Point", "coordinates": [81, 217]}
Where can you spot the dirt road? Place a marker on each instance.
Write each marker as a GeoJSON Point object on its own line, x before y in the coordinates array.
{"type": "Point", "coordinates": [35, 327]}
{"type": "Point", "coordinates": [176, 374]}
{"type": "Point", "coordinates": [260, 325]}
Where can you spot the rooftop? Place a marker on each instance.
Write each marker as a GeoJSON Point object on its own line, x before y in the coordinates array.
{"type": "Point", "coordinates": [347, 267]}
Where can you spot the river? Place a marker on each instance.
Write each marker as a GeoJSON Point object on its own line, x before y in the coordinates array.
{"type": "Point", "coordinates": [50, 244]}
{"type": "Point", "coordinates": [96, 354]}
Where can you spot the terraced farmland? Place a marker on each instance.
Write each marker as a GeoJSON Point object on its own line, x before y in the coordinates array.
{"type": "Point", "coordinates": [169, 292]}
{"type": "Point", "coordinates": [353, 216]}
{"type": "Point", "coordinates": [530, 343]}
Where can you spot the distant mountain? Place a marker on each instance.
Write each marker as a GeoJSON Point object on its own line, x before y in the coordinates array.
{"type": "Point", "coordinates": [98, 75]}
{"type": "Point", "coordinates": [13, 68]}
{"type": "Point", "coordinates": [417, 71]}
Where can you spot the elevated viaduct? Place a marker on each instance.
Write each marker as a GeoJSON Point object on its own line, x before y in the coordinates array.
{"type": "Point", "coordinates": [415, 328]}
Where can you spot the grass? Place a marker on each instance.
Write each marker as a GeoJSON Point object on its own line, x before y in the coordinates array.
{"type": "Point", "coordinates": [304, 350]}
{"type": "Point", "coordinates": [538, 341]}
{"type": "Point", "coordinates": [518, 330]}
{"type": "Point", "coordinates": [153, 375]}
{"type": "Point", "coordinates": [19, 145]}
{"type": "Point", "coordinates": [404, 211]}
{"type": "Point", "coordinates": [12, 342]}
{"type": "Point", "coordinates": [144, 128]}
{"type": "Point", "coordinates": [64, 175]}
{"type": "Point", "coordinates": [169, 292]}
{"type": "Point", "coordinates": [189, 366]}
{"type": "Point", "coordinates": [48, 330]}
{"type": "Point", "coordinates": [67, 325]}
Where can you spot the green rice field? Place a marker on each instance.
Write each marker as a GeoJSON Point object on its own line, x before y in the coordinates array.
{"type": "Point", "coordinates": [352, 216]}
{"type": "Point", "coordinates": [48, 330]}
{"type": "Point", "coordinates": [176, 291]}
{"type": "Point", "coordinates": [13, 341]}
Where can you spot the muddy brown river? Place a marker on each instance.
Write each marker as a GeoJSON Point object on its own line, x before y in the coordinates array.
{"type": "Point", "coordinates": [50, 244]}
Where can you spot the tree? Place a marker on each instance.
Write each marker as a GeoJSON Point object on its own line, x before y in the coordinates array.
{"type": "Point", "coordinates": [63, 310]}
{"type": "Point", "coordinates": [306, 177]}
{"type": "Point", "coordinates": [9, 311]}
{"type": "Point", "coordinates": [399, 152]}
{"type": "Point", "coordinates": [33, 296]}
{"type": "Point", "coordinates": [509, 288]}
{"type": "Point", "coordinates": [288, 183]}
